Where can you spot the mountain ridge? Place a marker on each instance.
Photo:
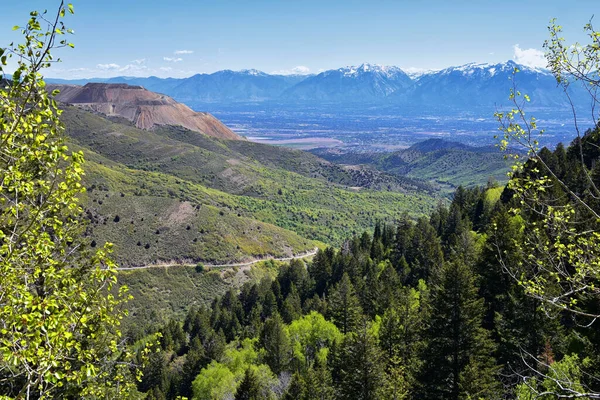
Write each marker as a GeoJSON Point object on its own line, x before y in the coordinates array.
{"type": "Point", "coordinates": [462, 86]}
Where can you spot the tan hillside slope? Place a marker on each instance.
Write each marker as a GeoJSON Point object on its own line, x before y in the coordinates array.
{"type": "Point", "coordinates": [144, 108]}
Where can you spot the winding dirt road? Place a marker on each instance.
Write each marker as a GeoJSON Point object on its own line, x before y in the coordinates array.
{"type": "Point", "coordinates": [243, 266]}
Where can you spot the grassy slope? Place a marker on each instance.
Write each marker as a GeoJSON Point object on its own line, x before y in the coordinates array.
{"type": "Point", "coordinates": [161, 293]}
{"type": "Point", "coordinates": [235, 207]}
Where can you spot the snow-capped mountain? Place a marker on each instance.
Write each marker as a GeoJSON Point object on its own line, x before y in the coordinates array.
{"type": "Point", "coordinates": [464, 86]}
{"type": "Point", "coordinates": [486, 85]}
{"type": "Point", "coordinates": [366, 82]}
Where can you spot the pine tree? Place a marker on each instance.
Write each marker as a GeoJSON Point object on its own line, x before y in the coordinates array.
{"type": "Point", "coordinates": [318, 384]}
{"type": "Point", "coordinates": [274, 339]}
{"type": "Point", "coordinates": [320, 270]}
{"type": "Point", "coordinates": [344, 307]}
{"type": "Point", "coordinates": [249, 388]}
{"type": "Point", "coordinates": [292, 306]}
{"type": "Point", "coordinates": [401, 336]}
{"type": "Point", "coordinates": [195, 360]}
{"type": "Point", "coordinates": [457, 344]}
{"type": "Point", "coordinates": [360, 367]}
{"type": "Point", "coordinates": [296, 389]}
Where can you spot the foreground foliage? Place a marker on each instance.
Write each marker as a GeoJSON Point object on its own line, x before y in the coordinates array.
{"type": "Point", "coordinates": [59, 315]}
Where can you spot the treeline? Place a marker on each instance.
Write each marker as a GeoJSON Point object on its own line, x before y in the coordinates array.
{"type": "Point", "coordinates": [417, 309]}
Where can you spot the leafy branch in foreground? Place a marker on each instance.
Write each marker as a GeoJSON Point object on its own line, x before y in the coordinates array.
{"type": "Point", "coordinates": [558, 211]}
{"type": "Point", "coordinates": [59, 303]}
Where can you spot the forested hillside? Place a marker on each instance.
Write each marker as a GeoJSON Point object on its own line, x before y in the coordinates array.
{"type": "Point", "coordinates": [439, 161]}
{"type": "Point", "coordinates": [420, 308]}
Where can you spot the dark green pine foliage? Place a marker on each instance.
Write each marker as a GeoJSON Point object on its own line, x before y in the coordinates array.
{"type": "Point", "coordinates": [424, 252]}
{"type": "Point", "coordinates": [360, 366]}
{"type": "Point", "coordinates": [274, 339]}
{"type": "Point", "coordinates": [344, 306]}
{"type": "Point", "coordinates": [516, 320]}
{"type": "Point", "coordinates": [401, 337]}
{"type": "Point", "coordinates": [296, 389]}
{"type": "Point", "coordinates": [370, 290]}
{"type": "Point", "coordinates": [292, 306]}
{"type": "Point", "coordinates": [318, 384]}
{"type": "Point", "coordinates": [155, 374]}
{"type": "Point", "coordinates": [321, 270]}
{"type": "Point", "coordinates": [173, 337]}
{"type": "Point", "coordinates": [155, 394]}
{"type": "Point", "coordinates": [249, 388]}
{"type": "Point", "coordinates": [389, 286]}
{"type": "Point", "coordinates": [458, 357]}
{"type": "Point", "coordinates": [195, 360]}
{"type": "Point", "coordinates": [377, 249]}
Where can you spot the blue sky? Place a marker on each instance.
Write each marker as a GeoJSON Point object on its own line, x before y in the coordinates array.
{"type": "Point", "coordinates": [180, 38]}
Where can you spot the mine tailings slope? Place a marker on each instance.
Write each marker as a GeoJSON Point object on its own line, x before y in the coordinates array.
{"type": "Point", "coordinates": [144, 108]}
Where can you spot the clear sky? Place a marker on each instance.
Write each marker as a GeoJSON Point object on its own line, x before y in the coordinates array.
{"type": "Point", "coordinates": [182, 37]}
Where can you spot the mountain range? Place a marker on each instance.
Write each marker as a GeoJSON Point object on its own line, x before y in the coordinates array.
{"type": "Point", "coordinates": [464, 86]}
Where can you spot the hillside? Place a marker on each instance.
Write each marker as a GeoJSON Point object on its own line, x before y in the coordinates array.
{"type": "Point", "coordinates": [180, 195]}
{"type": "Point", "coordinates": [145, 109]}
{"type": "Point", "coordinates": [437, 160]}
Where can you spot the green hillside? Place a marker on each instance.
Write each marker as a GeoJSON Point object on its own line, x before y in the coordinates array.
{"type": "Point", "coordinates": [436, 160]}
{"type": "Point", "coordinates": [162, 293]}
{"type": "Point", "coordinates": [176, 195]}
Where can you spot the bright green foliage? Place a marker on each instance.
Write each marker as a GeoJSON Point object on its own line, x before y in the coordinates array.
{"type": "Point", "coordinates": [562, 380]}
{"type": "Point", "coordinates": [59, 320]}
{"type": "Point", "coordinates": [221, 379]}
{"type": "Point", "coordinates": [311, 337]}
{"type": "Point", "coordinates": [214, 382]}
{"type": "Point", "coordinates": [564, 263]}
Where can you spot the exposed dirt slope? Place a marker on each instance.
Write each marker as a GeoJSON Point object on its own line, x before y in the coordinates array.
{"type": "Point", "coordinates": [144, 108]}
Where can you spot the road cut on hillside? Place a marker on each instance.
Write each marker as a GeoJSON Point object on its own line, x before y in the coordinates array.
{"type": "Point", "coordinates": [243, 265]}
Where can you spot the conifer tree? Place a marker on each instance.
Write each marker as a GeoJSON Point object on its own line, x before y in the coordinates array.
{"type": "Point", "coordinates": [360, 367]}
{"type": "Point", "coordinates": [195, 360]}
{"type": "Point", "coordinates": [320, 270]}
{"type": "Point", "coordinates": [344, 307]}
{"type": "Point", "coordinates": [457, 344]}
{"type": "Point", "coordinates": [318, 384]}
{"type": "Point", "coordinates": [292, 306]}
{"type": "Point", "coordinates": [401, 337]}
{"type": "Point", "coordinates": [249, 388]}
{"type": "Point", "coordinates": [276, 343]}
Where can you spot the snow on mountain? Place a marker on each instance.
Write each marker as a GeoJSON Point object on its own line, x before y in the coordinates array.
{"type": "Point", "coordinates": [468, 85]}
{"type": "Point", "coordinates": [366, 82]}
{"type": "Point", "coordinates": [484, 69]}
{"type": "Point", "coordinates": [482, 84]}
